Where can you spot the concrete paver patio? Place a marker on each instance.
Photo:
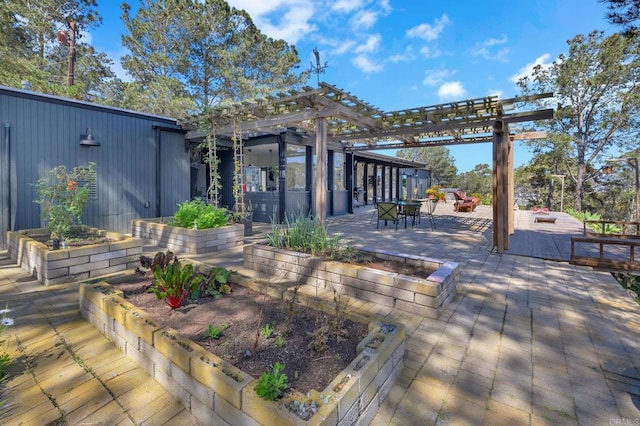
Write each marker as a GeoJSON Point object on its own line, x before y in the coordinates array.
{"type": "Point", "coordinates": [525, 341]}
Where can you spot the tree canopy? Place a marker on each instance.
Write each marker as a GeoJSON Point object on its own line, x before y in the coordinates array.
{"type": "Point", "coordinates": [595, 87]}
{"type": "Point", "coordinates": [438, 160]}
{"type": "Point", "coordinates": [193, 55]}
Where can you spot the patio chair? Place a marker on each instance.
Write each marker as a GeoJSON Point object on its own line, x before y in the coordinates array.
{"type": "Point", "coordinates": [413, 212]}
{"type": "Point", "coordinates": [463, 202]}
{"type": "Point", "coordinates": [389, 212]}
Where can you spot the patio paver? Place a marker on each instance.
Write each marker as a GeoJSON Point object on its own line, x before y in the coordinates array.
{"type": "Point", "coordinates": [526, 340]}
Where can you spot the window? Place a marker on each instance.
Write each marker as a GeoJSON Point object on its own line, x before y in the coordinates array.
{"type": "Point", "coordinates": [338, 172]}
{"type": "Point", "coordinates": [296, 168]}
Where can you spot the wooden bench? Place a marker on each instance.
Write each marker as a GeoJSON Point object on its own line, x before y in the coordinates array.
{"type": "Point", "coordinates": [607, 263]}
{"type": "Point", "coordinates": [546, 219]}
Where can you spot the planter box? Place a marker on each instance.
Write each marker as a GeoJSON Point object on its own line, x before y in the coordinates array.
{"type": "Point", "coordinates": [216, 392]}
{"type": "Point", "coordinates": [425, 297]}
{"type": "Point", "coordinates": [74, 263]}
{"type": "Point", "coordinates": [185, 240]}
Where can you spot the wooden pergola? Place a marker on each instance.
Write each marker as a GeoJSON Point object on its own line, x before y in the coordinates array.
{"type": "Point", "coordinates": [334, 116]}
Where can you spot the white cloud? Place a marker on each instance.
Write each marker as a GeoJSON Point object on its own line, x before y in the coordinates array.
{"type": "Point", "coordinates": [429, 53]}
{"type": "Point", "coordinates": [344, 47]}
{"type": "Point", "coordinates": [434, 77]}
{"type": "Point", "coordinates": [451, 90]}
{"type": "Point", "coordinates": [385, 6]}
{"type": "Point", "coordinates": [365, 19]}
{"type": "Point", "coordinates": [289, 20]}
{"type": "Point", "coordinates": [406, 56]}
{"type": "Point", "coordinates": [372, 44]}
{"type": "Point", "coordinates": [494, 41]}
{"type": "Point", "coordinates": [427, 31]}
{"type": "Point", "coordinates": [346, 6]}
{"type": "Point", "coordinates": [527, 70]}
{"type": "Point", "coordinates": [484, 49]}
{"type": "Point", "coordinates": [365, 64]}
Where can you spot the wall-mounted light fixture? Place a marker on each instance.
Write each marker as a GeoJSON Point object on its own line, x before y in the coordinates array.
{"type": "Point", "coordinates": [88, 139]}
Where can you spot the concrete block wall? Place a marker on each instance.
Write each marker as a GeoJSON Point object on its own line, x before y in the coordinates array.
{"type": "Point", "coordinates": [73, 263]}
{"type": "Point", "coordinates": [190, 241]}
{"type": "Point", "coordinates": [216, 392]}
{"type": "Point", "coordinates": [426, 297]}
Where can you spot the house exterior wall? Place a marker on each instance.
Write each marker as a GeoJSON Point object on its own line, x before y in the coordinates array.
{"type": "Point", "coordinates": [42, 131]}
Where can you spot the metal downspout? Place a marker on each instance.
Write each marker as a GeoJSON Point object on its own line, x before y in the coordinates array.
{"type": "Point", "coordinates": [6, 177]}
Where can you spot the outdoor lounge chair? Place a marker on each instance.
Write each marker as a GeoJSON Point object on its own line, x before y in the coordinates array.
{"type": "Point", "coordinates": [463, 202]}
{"type": "Point", "coordinates": [389, 212]}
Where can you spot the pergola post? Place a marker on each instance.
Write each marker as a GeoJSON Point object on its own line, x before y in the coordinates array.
{"type": "Point", "coordinates": [502, 210]}
{"type": "Point", "coordinates": [320, 184]}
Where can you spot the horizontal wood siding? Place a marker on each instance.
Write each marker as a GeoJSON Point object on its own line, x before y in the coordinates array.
{"type": "Point", "coordinates": [45, 132]}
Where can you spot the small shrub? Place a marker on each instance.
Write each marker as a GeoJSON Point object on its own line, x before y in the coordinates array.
{"type": "Point", "coordinates": [280, 342]}
{"type": "Point", "coordinates": [197, 214]}
{"type": "Point", "coordinates": [267, 330]}
{"type": "Point", "coordinates": [214, 283]}
{"type": "Point", "coordinates": [213, 332]}
{"type": "Point", "coordinates": [174, 283]}
{"type": "Point", "coordinates": [304, 234]}
{"type": "Point", "coordinates": [272, 384]}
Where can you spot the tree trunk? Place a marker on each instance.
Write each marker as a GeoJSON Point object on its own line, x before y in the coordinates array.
{"type": "Point", "coordinates": [577, 197]}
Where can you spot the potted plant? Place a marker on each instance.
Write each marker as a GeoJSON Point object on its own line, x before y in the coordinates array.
{"type": "Point", "coordinates": [62, 199]}
{"type": "Point", "coordinates": [476, 197]}
{"type": "Point", "coordinates": [431, 192]}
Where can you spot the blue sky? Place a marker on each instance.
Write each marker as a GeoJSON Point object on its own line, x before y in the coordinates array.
{"type": "Point", "coordinates": [401, 54]}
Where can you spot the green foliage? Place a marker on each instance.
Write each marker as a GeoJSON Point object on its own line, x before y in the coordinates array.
{"type": "Point", "coordinates": [213, 332]}
{"type": "Point", "coordinates": [438, 161]}
{"type": "Point", "coordinates": [306, 235]}
{"type": "Point", "coordinates": [267, 330]}
{"type": "Point", "coordinates": [272, 384]}
{"type": "Point", "coordinates": [62, 199]}
{"type": "Point", "coordinates": [203, 53]}
{"type": "Point", "coordinates": [280, 342]}
{"type": "Point", "coordinates": [174, 283]}
{"type": "Point", "coordinates": [214, 283]}
{"type": "Point", "coordinates": [595, 105]}
{"type": "Point", "coordinates": [199, 215]}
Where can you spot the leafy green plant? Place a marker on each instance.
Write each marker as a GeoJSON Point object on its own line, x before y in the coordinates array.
{"type": "Point", "coordinates": [272, 384]}
{"type": "Point", "coordinates": [62, 198]}
{"type": "Point", "coordinates": [267, 330]}
{"type": "Point", "coordinates": [213, 332]}
{"type": "Point", "coordinates": [199, 215]}
{"type": "Point", "coordinates": [307, 235]}
{"type": "Point", "coordinates": [174, 283]}
{"type": "Point", "coordinates": [280, 342]}
{"type": "Point", "coordinates": [214, 283]}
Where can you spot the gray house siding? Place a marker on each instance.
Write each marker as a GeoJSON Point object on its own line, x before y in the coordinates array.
{"type": "Point", "coordinates": [41, 132]}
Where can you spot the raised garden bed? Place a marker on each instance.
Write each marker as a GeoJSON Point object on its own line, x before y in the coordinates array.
{"type": "Point", "coordinates": [117, 253]}
{"type": "Point", "coordinates": [422, 296]}
{"type": "Point", "coordinates": [157, 231]}
{"type": "Point", "coordinates": [216, 391]}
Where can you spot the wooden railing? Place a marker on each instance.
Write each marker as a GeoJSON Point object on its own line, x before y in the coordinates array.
{"type": "Point", "coordinates": [628, 236]}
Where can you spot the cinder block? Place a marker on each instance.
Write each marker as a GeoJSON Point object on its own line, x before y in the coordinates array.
{"type": "Point", "coordinates": [231, 414]}
{"type": "Point", "coordinates": [139, 358]}
{"type": "Point", "coordinates": [173, 388]}
{"type": "Point", "coordinates": [266, 412]}
{"type": "Point", "coordinates": [225, 379]}
{"type": "Point", "coordinates": [117, 308]}
{"type": "Point", "coordinates": [161, 363]}
{"type": "Point", "coordinates": [141, 324]}
{"type": "Point", "coordinates": [346, 391]}
{"type": "Point", "coordinates": [205, 413]}
{"type": "Point", "coordinates": [179, 350]}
